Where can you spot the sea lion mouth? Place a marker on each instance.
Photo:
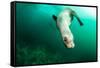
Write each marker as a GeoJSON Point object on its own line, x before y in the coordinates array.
{"type": "Point", "coordinates": [69, 45]}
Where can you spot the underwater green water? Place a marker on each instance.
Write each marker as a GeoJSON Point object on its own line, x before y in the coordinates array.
{"type": "Point", "coordinates": [38, 41]}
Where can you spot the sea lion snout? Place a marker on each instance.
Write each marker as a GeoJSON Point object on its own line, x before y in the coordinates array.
{"type": "Point", "coordinates": [69, 43]}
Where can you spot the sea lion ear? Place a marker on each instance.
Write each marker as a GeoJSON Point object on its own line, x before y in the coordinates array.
{"type": "Point", "coordinates": [54, 17]}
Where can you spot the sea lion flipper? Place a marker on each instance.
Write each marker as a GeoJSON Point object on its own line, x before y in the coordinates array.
{"type": "Point", "coordinates": [74, 14]}
{"type": "Point", "coordinates": [54, 17]}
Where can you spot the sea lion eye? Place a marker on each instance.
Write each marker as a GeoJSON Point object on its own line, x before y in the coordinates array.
{"type": "Point", "coordinates": [65, 39]}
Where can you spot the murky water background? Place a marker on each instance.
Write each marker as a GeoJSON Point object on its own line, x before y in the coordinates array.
{"type": "Point", "coordinates": [38, 41]}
